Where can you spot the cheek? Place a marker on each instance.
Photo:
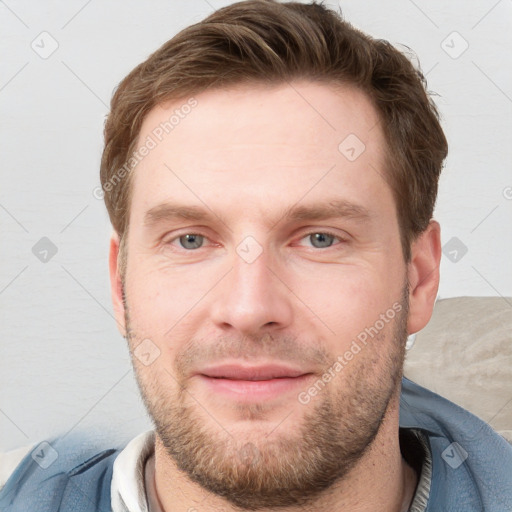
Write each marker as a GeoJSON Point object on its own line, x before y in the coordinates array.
{"type": "Point", "coordinates": [162, 301]}
{"type": "Point", "coordinates": [149, 286]}
{"type": "Point", "coordinates": [346, 298]}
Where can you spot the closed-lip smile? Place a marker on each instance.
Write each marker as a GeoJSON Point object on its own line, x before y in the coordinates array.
{"type": "Point", "coordinates": [242, 382]}
{"type": "Point", "coordinates": [241, 372]}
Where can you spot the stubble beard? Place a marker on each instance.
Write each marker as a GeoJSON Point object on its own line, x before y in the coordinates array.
{"type": "Point", "coordinates": [257, 471]}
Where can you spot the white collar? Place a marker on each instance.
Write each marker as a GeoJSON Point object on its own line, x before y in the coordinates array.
{"type": "Point", "coordinates": [128, 492]}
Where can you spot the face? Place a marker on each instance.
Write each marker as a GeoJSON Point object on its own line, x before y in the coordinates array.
{"type": "Point", "coordinates": [266, 296]}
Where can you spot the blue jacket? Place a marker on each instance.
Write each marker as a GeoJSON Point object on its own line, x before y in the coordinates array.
{"type": "Point", "coordinates": [77, 481]}
{"type": "Point", "coordinates": [471, 465]}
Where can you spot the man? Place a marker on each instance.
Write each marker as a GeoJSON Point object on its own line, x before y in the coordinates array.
{"type": "Point", "coordinates": [270, 174]}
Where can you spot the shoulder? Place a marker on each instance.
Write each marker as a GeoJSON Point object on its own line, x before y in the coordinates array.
{"type": "Point", "coordinates": [39, 476]}
{"type": "Point", "coordinates": [471, 463]}
{"type": "Point", "coordinates": [10, 460]}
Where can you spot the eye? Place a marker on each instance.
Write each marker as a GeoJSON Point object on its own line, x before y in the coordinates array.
{"type": "Point", "coordinates": [190, 241]}
{"type": "Point", "coordinates": [321, 239]}
{"type": "Point", "coordinates": [318, 239]}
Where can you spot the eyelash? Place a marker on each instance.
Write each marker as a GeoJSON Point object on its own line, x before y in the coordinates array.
{"type": "Point", "coordinates": [329, 233]}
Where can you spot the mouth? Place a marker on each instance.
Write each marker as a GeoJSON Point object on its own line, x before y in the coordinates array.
{"type": "Point", "coordinates": [253, 383]}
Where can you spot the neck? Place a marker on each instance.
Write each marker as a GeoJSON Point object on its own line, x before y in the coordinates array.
{"type": "Point", "coordinates": [381, 480]}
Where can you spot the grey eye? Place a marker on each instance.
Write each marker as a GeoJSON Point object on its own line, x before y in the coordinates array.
{"type": "Point", "coordinates": [191, 241]}
{"type": "Point", "coordinates": [323, 239]}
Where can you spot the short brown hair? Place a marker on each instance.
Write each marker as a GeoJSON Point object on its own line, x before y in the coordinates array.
{"type": "Point", "coordinates": [263, 41]}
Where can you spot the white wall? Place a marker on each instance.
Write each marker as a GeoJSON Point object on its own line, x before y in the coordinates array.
{"type": "Point", "coordinates": [63, 364]}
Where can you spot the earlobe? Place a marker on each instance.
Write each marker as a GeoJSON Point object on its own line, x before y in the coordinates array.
{"type": "Point", "coordinates": [116, 285]}
{"type": "Point", "coordinates": [423, 275]}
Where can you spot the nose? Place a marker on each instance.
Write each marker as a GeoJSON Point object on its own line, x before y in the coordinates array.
{"type": "Point", "coordinates": [252, 299]}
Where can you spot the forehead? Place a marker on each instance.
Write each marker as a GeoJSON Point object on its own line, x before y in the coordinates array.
{"type": "Point", "coordinates": [254, 143]}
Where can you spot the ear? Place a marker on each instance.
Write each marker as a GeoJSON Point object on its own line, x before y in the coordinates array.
{"type": "Point", "coordinates": [116, 287]}
{"type": "Point", "coordinates": [423, 274]}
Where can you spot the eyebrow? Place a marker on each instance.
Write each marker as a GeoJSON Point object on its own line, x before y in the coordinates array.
{"type": "Point", "coordinates": [336, 208]}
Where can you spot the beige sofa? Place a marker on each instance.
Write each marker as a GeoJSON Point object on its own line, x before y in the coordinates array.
{"type": "Point", "coordinates": [465, 355]}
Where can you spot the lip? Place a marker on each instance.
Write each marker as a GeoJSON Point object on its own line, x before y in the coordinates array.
{"type": "Point", "coordinates": [251, 373]}
{"type": "Point", "coordinates": [253, 383]}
